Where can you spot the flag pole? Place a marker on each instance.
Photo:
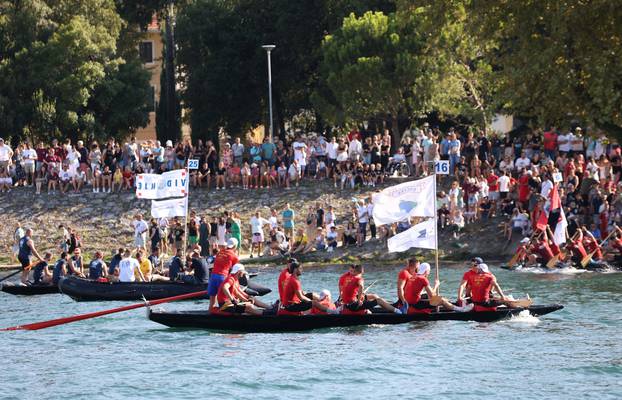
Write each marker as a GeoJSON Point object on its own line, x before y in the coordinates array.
{"type": "Point", "coordinates": [435, 226]}
{"type": "Point", "coordinates": [186, 213]}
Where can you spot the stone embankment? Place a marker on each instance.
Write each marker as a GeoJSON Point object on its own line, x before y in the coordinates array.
{"type": "Point", "coordinates": [103, 221]}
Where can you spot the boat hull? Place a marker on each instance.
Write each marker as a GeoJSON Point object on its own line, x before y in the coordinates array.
{"type": "Point", "coordinates": [249, 323]}
{"type": "Point", "coordinates": [29, 290]}
{"type": "Point", "coordinates": [88, 290]}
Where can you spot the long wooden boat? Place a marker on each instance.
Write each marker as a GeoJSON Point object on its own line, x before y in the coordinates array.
{"type": "Point", "coordinates": [87, 290]}
{"type": "Point", "coordinates": [249, 323]}
{"type": "Point", "coordinates": [28, 290]}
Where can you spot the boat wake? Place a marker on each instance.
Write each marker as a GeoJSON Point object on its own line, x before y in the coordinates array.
{"type": "Point", "coordinates": [524, 318]}
{"type": "Point", "coordinates": [557, 271]}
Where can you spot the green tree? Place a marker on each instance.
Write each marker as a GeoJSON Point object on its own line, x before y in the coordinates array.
{"type": "Point", "coordinates": [55, 56]}
{"type": "Point", "coordinates": [374, 65]}
{"type": "Point", "coordinates": [555, 60]}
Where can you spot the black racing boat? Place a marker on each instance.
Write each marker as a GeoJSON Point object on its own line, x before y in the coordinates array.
{"type": "Point", "coordinates": [28, 290]}
{"type": "Point", "coordinates": [87, 290]}
{"type": "Point", "coordinates": [273, 323]}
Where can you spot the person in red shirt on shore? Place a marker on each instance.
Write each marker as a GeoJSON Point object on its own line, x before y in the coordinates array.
{"type": "Point", "coordinates": [418, 283]}
{"type": "Point", "coordinates": [225, 259]}
{"type": "Point", "coordinates": [481, 286]}
{"type": "Point", "coordinates": [523, 188]}
{"type": "Point", "coordinates": [353, 296]}
{"type": "Point", "coordinates": [232, 299]}
{"type": "Point", "coordinates": [402, 278]}
{"type": "Point", "coordinates": [464, 289]}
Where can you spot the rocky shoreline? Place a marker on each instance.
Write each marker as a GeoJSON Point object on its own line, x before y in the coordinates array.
{"type": "Point", "coordinates": [103, 221]}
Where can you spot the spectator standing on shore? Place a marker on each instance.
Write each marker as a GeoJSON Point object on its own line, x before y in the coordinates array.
{"type": "Point", "coordinates": [257, 223]}
{"type": "Point", "coordinates": [288, 221]}
{"type": "Point", "coordinates": [140, 231]}
{"type": "Point", "coordinates": [363, 218]}
{"type": "Point", "coordinates": [238, 151]}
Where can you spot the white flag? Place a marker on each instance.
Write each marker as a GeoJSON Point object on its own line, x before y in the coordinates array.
{"type": "Point", "coordinates": [169, 208]}
{"type": "Point", "coordinates": [400, 202]}
{"type": "Point", "coordinates": [421, 236]}
{"type": "Point", "coordinates": [169, 184]}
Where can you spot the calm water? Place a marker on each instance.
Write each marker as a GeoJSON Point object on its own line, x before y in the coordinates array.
{"type": "Point", "coordinates": [572, 353]}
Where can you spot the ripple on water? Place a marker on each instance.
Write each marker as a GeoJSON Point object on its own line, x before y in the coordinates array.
{"type": "Point", "coordinates": [575, 352]}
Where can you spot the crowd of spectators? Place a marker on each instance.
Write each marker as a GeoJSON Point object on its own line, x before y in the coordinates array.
{"type": "Point", "coordinates": [491, 175]}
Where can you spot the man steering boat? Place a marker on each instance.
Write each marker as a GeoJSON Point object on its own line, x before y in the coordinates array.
{"type": "Point", "coordinates": [481, 286]}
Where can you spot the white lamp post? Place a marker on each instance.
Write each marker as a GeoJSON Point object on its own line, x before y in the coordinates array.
{"type": "Point", "coordinates": [268, 48]}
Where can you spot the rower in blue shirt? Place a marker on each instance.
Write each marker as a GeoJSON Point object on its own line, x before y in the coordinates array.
{"type": "Point", "coordinates": [97, 267]}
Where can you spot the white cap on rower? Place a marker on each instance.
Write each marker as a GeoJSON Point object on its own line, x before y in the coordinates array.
{"type": "Point", "coordinates": [324, 294]}
{"type": "Point", "coordinates": [423, 268]}
{"type": "Point", "coordinates": [482, 267]}
{"type": "Point", "coordinates": [232, 242]}
{"type": "Point", "coordinates": [524, 240]}
{"type": "Point", "coordinates": [237, 268]}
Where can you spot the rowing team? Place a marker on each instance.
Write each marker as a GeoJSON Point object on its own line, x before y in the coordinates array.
{"type": "Point", "coordinates": [582, 249]}
{"type": "Point", "coordinates": [412, 282]}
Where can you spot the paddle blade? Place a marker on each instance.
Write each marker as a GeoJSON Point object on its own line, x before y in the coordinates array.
{"type": "Point", "coordinates": [553, 261]}
{"type": "Point", "coordinates": [586, 260]}
{"type": "Point", "coordinates": [60, 321]}
{"type": "Point", "coordinates": [436, 301]}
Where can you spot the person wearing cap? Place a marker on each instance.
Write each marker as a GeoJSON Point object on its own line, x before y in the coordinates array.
{"type": "Point", "coordinates": [97, 267]}
{"type": "Point", "coordinates": [324, 305]}
{"type": "Point", "coordinates": [225, 259]}
{"type": "Point", "coordinates": [464, 289]}
{"type": "Point", "coordinates": [353, 296]}
{"type": "Point", "coordinates": [294, 301]}
{"type": "Point", "coordinates": [418, 283]}
{"type": "Point", "coordinates": [403, 276]}
{"type": "Point", "coordinates": [232, 299]}
{"type": "Point", "coordinates": [481, 286]}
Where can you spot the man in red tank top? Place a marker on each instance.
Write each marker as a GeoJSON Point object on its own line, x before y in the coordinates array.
{"type": "Point", "coordinates": [284, 276]}
{"type": "Point", "coordinates": [464, 289]}
{"type": "Point", "coordinates": [419, 282]}
{"type": "Point", "coordinates": [482, 284]}
{"type": "Point", "coordinates": [343, 278]}
{"type": "Point", "coordinates": [575, 246]}
{"type": "Point", "coordinates": [591, 245]}
{"type": "Point", "coordinates": [295, 302]}
{"type": "Point", "coordinates": [232, 299]}
{"type": "Point", "coordinates": [403, 276]}
{"type": "Point", "coordinates": [615, 246]}
{"type": "Point", "coordinates": [353, 296]}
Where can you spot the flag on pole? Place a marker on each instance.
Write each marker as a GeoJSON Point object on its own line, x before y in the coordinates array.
{"type": "Point", "coordinates": [422, 236]}
{"type": "Point", "coordinates": [169, 184]}
{"type": "Point", "coordinates": [169, 208]}
{"type": "Point", "coordinates": [553, 215]}
{"type": "Point", "coordinates": [400, 202]}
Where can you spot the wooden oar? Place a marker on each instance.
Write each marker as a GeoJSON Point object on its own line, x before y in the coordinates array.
{"type": "Point", "coordinates": [553, 261]}
{"type": "Point", "coordinates": [10, 275]}
{"type": "Point", "coordinates": [520, 303]}
{"type": "Point", "coordinates": [369, 287]}
{"type": "Point", "coordinates": [515, 257]}
{"type": "Point", "coordinates": [585, 260]}
{"type": "Point", "coordinates": [60, 321]}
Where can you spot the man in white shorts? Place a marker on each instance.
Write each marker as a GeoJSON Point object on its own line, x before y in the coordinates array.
{"type": "Point", "coordinates": [140, 231]}
{"type": "Point", "coordinates": [257, 223]}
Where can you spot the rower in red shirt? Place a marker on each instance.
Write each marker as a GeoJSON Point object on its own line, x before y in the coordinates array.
{"type": "Point", "coordinates": [232, 299]}
{"type": "Point", "coordinates": [541, 251]}
{"type": "Point", "coordinates": [464, 289]}
{"type": "Point", "coordinates": [616, 246]}
{"type": "Point", "coordinates": [283, 277]}
{"type": "Point", "coordinates": [419, 282]}
{"type": "Point", "coordinates": [295, 302]}
{"type": "Point", "coordinates": [225, 259]}
{"type": "Point", "coordinates": [482, 284]}
{"type": "Point", "coordinates": [402, 277]}
{"type": "Point", "coordinates": [353, 296]}
{"type": "Point", "coordinates": [327, 303]}
{"type": "Point", "coordinates": [591, 246]}
{"type": "Point", "coordinates": [575, 246]}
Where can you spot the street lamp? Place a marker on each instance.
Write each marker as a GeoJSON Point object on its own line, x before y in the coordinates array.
{"type": "Point", "coordinates": [268, 48]}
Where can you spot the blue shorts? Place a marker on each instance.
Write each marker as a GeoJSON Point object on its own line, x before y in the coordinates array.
{"type": "Point", "coordinates": [215, 280]}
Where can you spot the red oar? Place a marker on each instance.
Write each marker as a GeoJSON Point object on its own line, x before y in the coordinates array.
{"type": "Point", "coordinates": [60, 321]}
